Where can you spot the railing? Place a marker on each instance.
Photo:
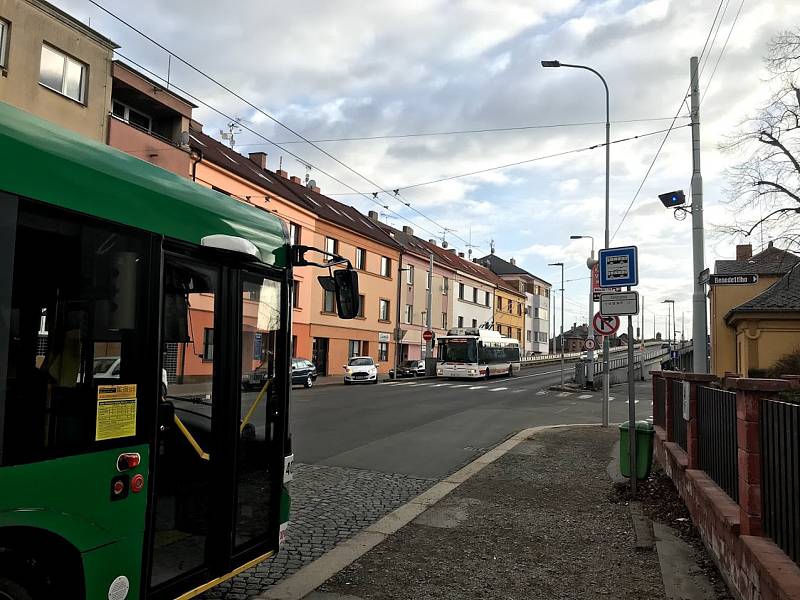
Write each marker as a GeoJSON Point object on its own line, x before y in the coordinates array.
{"type": "Point", "coordinates": [717, 442]}
{"type": "Point", "coordinates": [780, 475]}
{"type": "Point", "coordinates": [678, 422]}
{"type": "Point", "coordinates": [659, 401]}
{"type": "Point", "coordinates": [622, 361]}
{"type": "Point", "coordinates": [557, 355]}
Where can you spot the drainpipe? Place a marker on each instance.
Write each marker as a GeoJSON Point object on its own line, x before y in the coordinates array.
{"type": "Point", "coordinates": [196, 156]}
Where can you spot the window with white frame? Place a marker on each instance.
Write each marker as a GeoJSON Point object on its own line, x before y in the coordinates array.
{"type": "Point", "coordinates": [131, 115]}
{"type": "Point", "coordinates": [383, 351]}
{"type": "Point", "coordinates": [475, 295]}
{"type": "Point", "coordinates": [294, 233]}
{"type": "Point", "coordinates": [353, 348]}
{"type": "Point", "coordinates": [63, 74]}
{"type": "Point", "coordinates": [445, 286]}
{"type": "Point", "coordinates": [386, 266]}
{"type": "Point", "coordinates": [410, 275]}
{"type": "Point", "coordinates": [409, 314]}
{"type": "Point", "coordinates": [331, 246]}
{"type": "Point", "coordinates": [361, 259]}
{"type": "Point", "coordinates": [4, 34]}
{"type": "Point", "coordinates": [383, 310]}
{"type": "Point", "coordinates": [528, 335]}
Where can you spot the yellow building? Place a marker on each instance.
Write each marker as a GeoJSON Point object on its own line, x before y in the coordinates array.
{"type": "Point", "coordinates": [752, 325]}
{"type": "Point", "coordinates": [509, 310]}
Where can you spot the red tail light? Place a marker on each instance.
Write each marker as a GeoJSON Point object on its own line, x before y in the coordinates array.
{"type": "Point", "coordinates": [137, 483]}
{"type": "Point", "coordinates": [128, 460]}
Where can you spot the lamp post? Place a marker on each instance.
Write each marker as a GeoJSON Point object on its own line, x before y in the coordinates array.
{"type": "Point", "coordinates": [555, 63]}
{"type": "Point", "coordinates": [561, 264]}
{"type": "Point", "coordinates": [670, 324]}
{"type": "Point", "coordinates": [591, 262]}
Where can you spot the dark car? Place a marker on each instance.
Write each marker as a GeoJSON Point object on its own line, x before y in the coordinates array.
{"type": "Point", "coordinates": [303, 372]}
{"type": "Point", "coordinates": [409, 368]}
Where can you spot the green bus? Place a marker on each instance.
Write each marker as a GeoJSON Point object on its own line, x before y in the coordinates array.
{"type": "Point", "coordinates": [133, 304]}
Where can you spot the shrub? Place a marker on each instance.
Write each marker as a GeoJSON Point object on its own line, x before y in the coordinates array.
{"type": "Point", "coordinates": [788, 364]}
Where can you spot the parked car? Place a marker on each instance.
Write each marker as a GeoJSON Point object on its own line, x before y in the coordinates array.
{"type": "Point", "coordinates": [409, 368]}
{"type": "Point", "coordinates": [303, 372]}
{"type": "Point", "coordinates": [360, 369]}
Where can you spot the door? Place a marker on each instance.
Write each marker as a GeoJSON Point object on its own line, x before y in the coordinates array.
{"type": "Point", "coordinates": [320, 355]}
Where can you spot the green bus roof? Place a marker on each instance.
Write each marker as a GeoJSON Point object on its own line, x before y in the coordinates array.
{"type": "Point", "coordinates": [47, 163]}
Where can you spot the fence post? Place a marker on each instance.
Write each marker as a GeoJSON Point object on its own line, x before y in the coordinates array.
{"type": "Point", "coordinates": [654, 375]}
{"type": "Point", "coordinates": [671, 378]}
{"type": "Point", "coordinates": [692, 437]}
{"type": "Point", "coordinates": [749, 394]}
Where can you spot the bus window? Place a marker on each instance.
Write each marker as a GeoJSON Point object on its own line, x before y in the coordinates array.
{"type": "Point", "coordinates": [72, 323]}
{"type": "Point", "coordinates": [458, 350]}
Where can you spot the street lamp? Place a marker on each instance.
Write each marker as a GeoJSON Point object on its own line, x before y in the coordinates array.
{"type": "Point", "coordinates": [670, 325]}
{"type": "Point", "coordinates": [561, 264]}
{"type": "Point", "coordinates": [591, 262]}
{"type": "Point", "coordinates": [555, 63]}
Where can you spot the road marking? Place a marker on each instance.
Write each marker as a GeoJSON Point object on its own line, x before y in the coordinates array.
{"type": "Point", "coordinates": [564, 394]}
{"type": "Point", "coordinates": [611, 398]}
{"type": "Point", "coordinates": [391, 382]}
{"type": "Point", "coordinates": [462, 385]}
{"type": "Point", "coordinates": [407, 383]}
{"type": "Point", "coordinates": [442, 384]}
{"type": "Point", "coordinates": [478, 387]}
{"type": "Point", "coordinates": [584, 396]}
{"type": "Point", "coordinates": [628, 402]}
{"type": "Point", "coordinates": [500, 389]}
{"type": "Point", "coordinates": [541, 393]}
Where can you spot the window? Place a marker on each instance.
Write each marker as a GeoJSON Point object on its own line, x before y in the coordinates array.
{"type": "Point", "coordinates": [445, 286]}
{"type": "Point", "coordinates": [499, 303]}
{"type": "Point", "coordinates": [296, 294]}
{"type": "Point", "coordinates": [294, 233]}
{"type": "Point", "coordinates": [423, 318]}
{"type": "Point", "coordinates": [444, 320]}
{"type": "Point", "coordinates": [361, 302]}
{"type": "Point", "coordinates": [409, 314]}
{"type": "Point", "coordinates": [410, 275]}
{"type": "Point", "coordinates": [361, 259]}
{"type": "Point", "coordinates": [331, 246]}
{"type": "Point", "coordinates": [511, 306]}
{"type": "Point", "coordinates": [486, 301]}
{"type": "Point", "coordinates": [383, 351]}
{"type": "Point", "coordinates": [460, 291]}
{"type": "Point", "coordinates": [353, 348]}
{"type": "Point", "coordinates": [475, 295]}
{"type": "Point", "coordinates": [474, 322]}
{"type": "Point", "coordinates": [131, 115]}
{"type": "Point", "coordinates": [383, 310]}
{"type": "Point", "coordinates": [208, 344]}
{"type": "Point", "coordinates": [546, 292]}
{"type": "Point", "coordinates": [519, 309]}
{"type": "Point", "coordinates": [4, 30]}
{"type": "Point", "coordinates": [62, 74]}
{"type": "Point", "coordinates": [528, 335]}
{"type": "Point", "coordinates": [461, 321]}
{"type": "Point", "coordinates": [386, 266]}
{"type": "Point", "coordinates": [328, 301]}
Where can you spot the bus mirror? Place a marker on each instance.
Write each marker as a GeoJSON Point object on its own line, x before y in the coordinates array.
{"type": "Point", "coordinates": [347, 298]}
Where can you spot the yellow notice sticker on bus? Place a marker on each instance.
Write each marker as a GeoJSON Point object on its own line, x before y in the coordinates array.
{"type": "Point", "coordinates": [116, 412]}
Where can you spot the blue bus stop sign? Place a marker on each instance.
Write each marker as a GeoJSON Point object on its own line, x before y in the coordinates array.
{"type": "Point", "coordinates": [619, 267]}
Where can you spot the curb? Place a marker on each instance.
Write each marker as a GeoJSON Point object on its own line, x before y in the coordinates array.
{"type": "Point", "coordinates": [313, 575]}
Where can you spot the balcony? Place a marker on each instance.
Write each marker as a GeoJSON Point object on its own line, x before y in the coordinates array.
{"type": "Point", "coordinates": [147, 146]}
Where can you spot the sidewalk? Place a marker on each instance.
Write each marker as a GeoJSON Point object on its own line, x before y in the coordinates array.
{"type": "Point", "coordinates": [534, 518]}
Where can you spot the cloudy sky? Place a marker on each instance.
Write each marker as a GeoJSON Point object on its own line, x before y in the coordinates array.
{"type": "Point", "coordinates": [336, 68]}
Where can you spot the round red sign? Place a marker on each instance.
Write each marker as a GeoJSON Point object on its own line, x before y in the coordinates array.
{"type": "Point", "coordinates": [427, 335]}
{"type": "Point", "coordinates": [605, 325]}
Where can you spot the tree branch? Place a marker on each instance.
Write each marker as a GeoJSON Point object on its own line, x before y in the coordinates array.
{"type": "Point", "coordinates": [773, 141]}
{"type": "Point", "coordinates": [780, 188]}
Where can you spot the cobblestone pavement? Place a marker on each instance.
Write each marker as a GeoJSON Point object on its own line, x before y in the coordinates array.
{"type": "Point", "coordinates": [329, 505]}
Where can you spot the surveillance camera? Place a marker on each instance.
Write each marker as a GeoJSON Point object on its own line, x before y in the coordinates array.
{"type": "Point", "coordinates": [672, 199]}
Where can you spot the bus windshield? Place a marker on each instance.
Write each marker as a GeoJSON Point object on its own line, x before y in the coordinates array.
{"type": "Point", "coordinates": [458, 350]}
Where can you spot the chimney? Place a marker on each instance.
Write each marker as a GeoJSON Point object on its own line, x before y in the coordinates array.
{"type": "Point", "coordinates": [744, 251]}
{"type": "Point", "coordinates": [282, 173]}
{"type": "Point", "coordinates": [769, 245]}
{"type": "Point", "coordinates": [260, 158]}
{"type": "Point", "coordinates": [460, 255]}
{"type": "Point", "coordinates": [432, 241]}
{"type": "Point", "coordinates": [475, 260]}
{"type": "Point", "coordinates": [513, 262]}
{"type": "Point", "coordinates": [373, 215]}
{"type": "Point", "coordinates": [295, 179]}
{"type": "Point", "coordinates": [408, 230]}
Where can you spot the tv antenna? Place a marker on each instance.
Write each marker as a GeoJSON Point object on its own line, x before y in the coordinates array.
{"type": "Point", "coordinates": [470, 245]}
{"type": "Point", "coordinates": [445, 231]}
{"type": "Point", "coordinates": [308, 169]}
{"type": "Point", "coordinates": [233, 130]}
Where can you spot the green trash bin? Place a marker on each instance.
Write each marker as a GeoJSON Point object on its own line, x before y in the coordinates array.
{"type": "Point", "coordinates": [644, 449]}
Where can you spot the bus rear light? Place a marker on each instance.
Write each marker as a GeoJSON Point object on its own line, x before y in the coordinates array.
{"type": "Point", "coordinates": [119, 487]}
{"type": "Point", "coordinates": [137, 483]}
{"type": "Point", "coordinates": [128, 460]}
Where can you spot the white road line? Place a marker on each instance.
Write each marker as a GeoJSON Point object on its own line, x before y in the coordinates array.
{"type": "Point", "coordinates": [478, 387]}
{"type": "Point", "coordinates": [406, 383]}
{"type": "Point", "coordinates": [461, 386]}
{"type": "Point", "coordinates": [584, 396]}
{"type": "Point", "coordinates": [541, 392]}
{"type": "Point", "coordinates": [391, 382]}
{"type": "Point", "coordinates": [628, 402]}
{"type": "Point", "coordinates": [500, 389]}
{"type": "Point", "coordinates": [442, 385]}
{"type": "Point", "coordinates": [610, 398]}
{"type": "Point", "coordinates": [516, 391]}
{"type": "Point", "coordinates": [564, 394]}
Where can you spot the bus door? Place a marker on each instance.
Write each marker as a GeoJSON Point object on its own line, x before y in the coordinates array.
{"type": "Point", "coordinates": [217, 483]}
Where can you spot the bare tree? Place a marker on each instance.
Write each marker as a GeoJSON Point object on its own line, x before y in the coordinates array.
{"type": "Point", "coordinates": [764, 189]}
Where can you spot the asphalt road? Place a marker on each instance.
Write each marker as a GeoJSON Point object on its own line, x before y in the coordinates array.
{"type": "Point", "coordinates": [430, 428]}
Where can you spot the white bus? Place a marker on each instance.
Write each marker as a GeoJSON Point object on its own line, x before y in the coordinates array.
{"type": "Point", "coordinates": [476, 353]}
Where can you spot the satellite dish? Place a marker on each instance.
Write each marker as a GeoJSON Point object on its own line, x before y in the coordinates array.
{"type": "Point", "coordinates": [311, 183]}
{"type": "Point", "coordinates": [184, 138]}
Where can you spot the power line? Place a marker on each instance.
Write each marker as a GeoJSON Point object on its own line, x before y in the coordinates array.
{"type": "Point", "coordinates": [462, 131]}
{"type": "Point", "coordinates": [714, 40]}
{"type": "Point", "coordinates": [724, 46]}
{"type": "Point", "coordinates": [526, 161]}
{"type": "Point", "coordinates": [250, 104]}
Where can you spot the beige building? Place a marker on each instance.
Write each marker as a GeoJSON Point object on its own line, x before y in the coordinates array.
{"type": "Point", "coordinates": [55, 67]}
{"type": "Point", "coordinates": [738, 342]}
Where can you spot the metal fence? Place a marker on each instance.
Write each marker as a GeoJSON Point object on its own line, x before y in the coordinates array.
{"type": "Point", "coordinates": [660, 401]}
{"type": "Point", "coordinates": [780, 474]}
{"type": "Point", "coordinates": [717, 443]}
{"type": "Point", "coordinates": [678, 422]}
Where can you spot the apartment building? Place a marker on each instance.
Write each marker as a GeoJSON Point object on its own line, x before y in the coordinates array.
{"type": "Point", "coordinates": [509, 310]}
{"type": "Point", "coordinates": [55, 67]}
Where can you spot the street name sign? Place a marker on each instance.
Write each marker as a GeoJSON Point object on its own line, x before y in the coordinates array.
{"type": "Point", "coordinates": [619, 267]}
{"type": "Point", "coordinates": [619, 303]}
{"type": "Point", "coordinates": [605, 325]}
{"type": "Point", "coordinates": [732, 279]}
{"type": "Point", "coordinates": [702, 279]}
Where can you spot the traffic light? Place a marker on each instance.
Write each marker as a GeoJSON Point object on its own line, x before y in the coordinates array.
{"type": "Point", "coordinates": [672, 199]}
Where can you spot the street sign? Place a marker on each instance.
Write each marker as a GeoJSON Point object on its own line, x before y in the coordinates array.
{"type": "Point", "coordinates": [605, 325]}
{"type": "Point", "coordinates": [702, 279]}
{"type": "Point", "coordinates": [596, 289]}
{"type": "Point", "coordinates": [427, 335]}
{"type": "Point", "coordinates": [384, 337]}
{"type": "Point", "coordinates": [619, 303]}
{"type": "Point", "coordinates": [399, 334]}
{"type": "Point", "coordinates": [619, 267]}
{"type": "Point", "coordinates": [732, 279]}
{"type": "Point", "coordinates": [589, 344]}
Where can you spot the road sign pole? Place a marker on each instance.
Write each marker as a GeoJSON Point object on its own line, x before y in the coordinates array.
{"type": "Point", "coordinates": [632, 407]}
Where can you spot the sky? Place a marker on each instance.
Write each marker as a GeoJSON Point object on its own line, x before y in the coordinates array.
{"type": "Point", "coordinates": [339, 68]}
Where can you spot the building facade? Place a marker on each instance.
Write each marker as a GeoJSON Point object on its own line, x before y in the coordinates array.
{"type": "Point", "coordinates": [509, 311]}
{"type": "Point", "coordinates": [55, 67]}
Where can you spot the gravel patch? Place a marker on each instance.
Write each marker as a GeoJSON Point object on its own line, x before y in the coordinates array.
{"type": "Point", "coordinates": [535, 524]}
{"type": "Point", "coordinates": [329, 506]}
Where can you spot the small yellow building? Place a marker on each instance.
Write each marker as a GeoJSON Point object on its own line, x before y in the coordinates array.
{"type": "Point", "coordinates": [509, 310]}
{"type": "Point", "coordinates": [752, 325]}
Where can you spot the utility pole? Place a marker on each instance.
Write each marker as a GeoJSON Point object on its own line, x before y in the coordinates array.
{"type": "Point", "coordinates": [632, 406]}
{"type": "Point", "coordinates": [397, 337]}
{"type": "Point", "coordinates": [429, 317]}
{"type": "Point", "coordinates": [561, 264]}
{"type": "Point", "coordinates": [699, 326]}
